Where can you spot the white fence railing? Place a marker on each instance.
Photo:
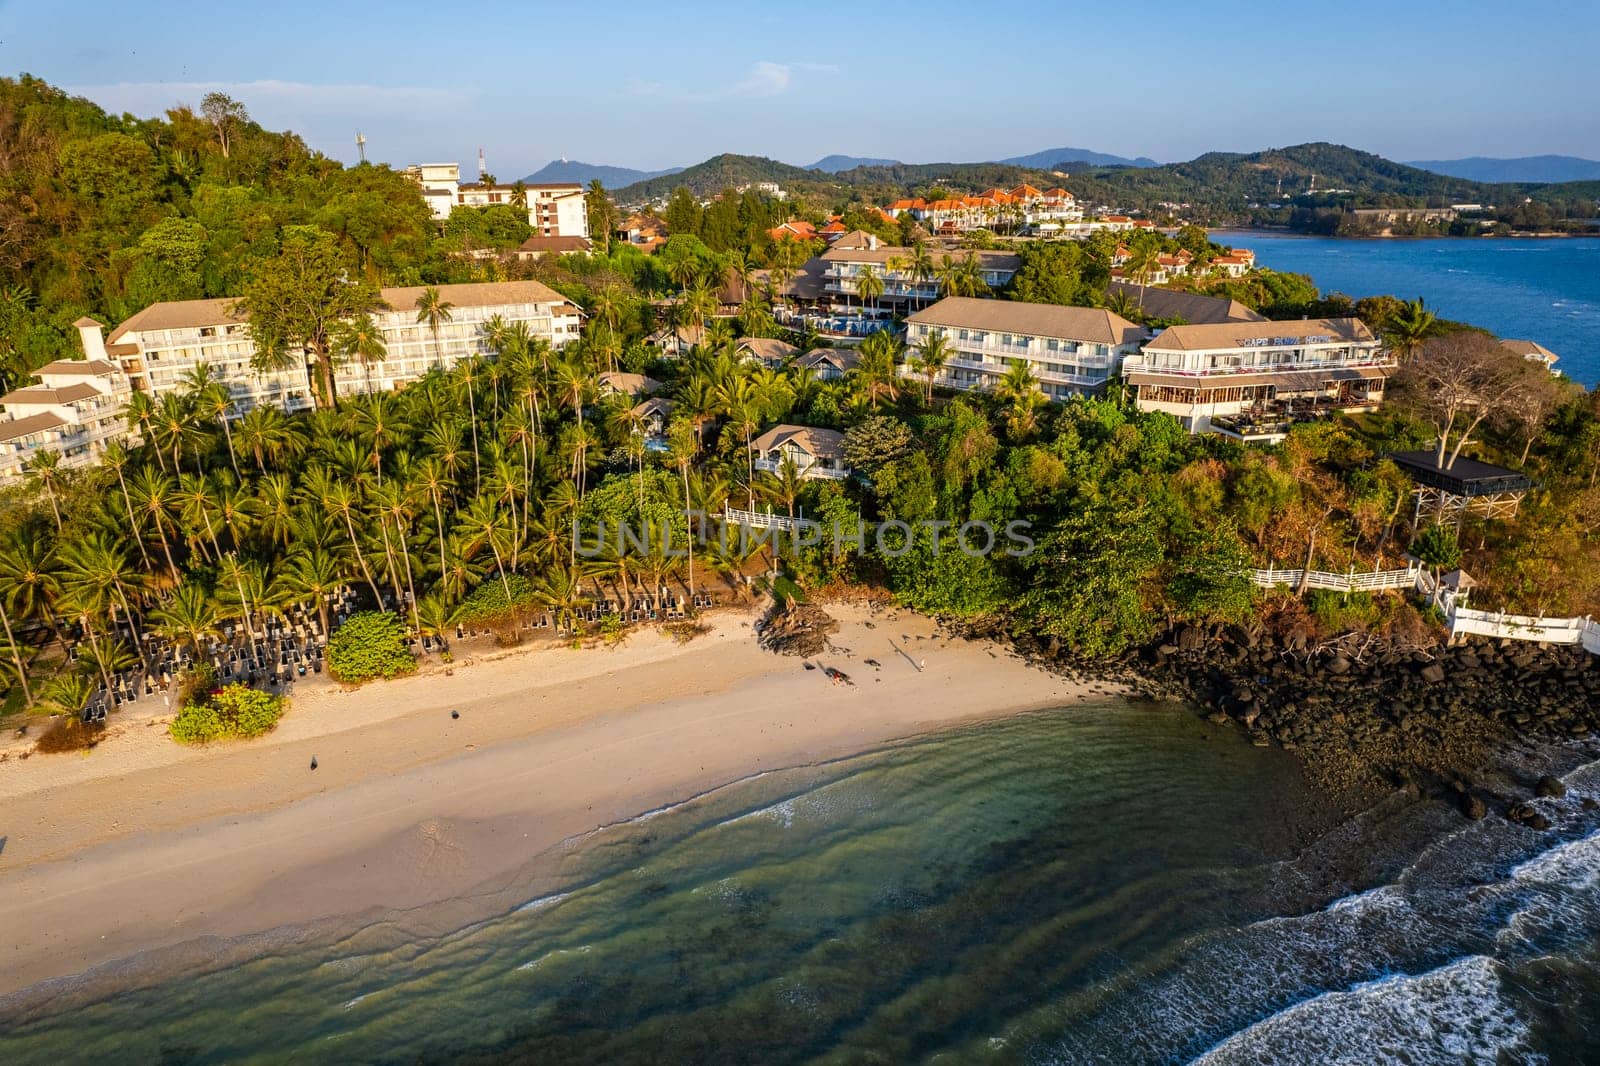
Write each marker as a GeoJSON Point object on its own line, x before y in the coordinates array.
{"type": "Point", "coordinates": [1581, 631]}
{"type": "Point", "coordinates": [760, 520]}
{"type": "Point", "coordinates": [1350, 581]}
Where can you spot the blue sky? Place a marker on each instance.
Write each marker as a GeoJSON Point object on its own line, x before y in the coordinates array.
{"type": "Point", "coordinates": [656, 85]}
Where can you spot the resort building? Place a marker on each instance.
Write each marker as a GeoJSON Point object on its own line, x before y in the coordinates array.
{"type": "Point", "coordinates": [1013, 210]}
{"type": "Point", "coordinates": [767, 351]}
{"type": "Point", "coordinates": [1534, 352]}
{"type": "Point", "coordinates": [555, 209]}
{"type": "Point", "coordinates": [828, 364]}
{"type": "Point", "coordinates": [615, 383]}
{"type": "Point", "coordinates": [654, 414]}
{"type": "Point", "coordinates": [75, 410]}
{"type": "Point", "coordinates": [854, 255]}
{"type": "Point", "coordinates": [1252, 380]}
{"type": "Point", "coordinates": [536, 247]}
{"type": "Point", "coordinates": [1071, 350]}
{"type": "Point", "coordinates": [160, 345]}
{"type": "Point", "coordinates": [815, 453]}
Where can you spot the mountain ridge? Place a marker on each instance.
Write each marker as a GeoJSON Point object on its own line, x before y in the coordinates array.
{"type": "Point", "coordinates": [564, 170]}
{"type": "Point", "coordinates": [1525, 169]}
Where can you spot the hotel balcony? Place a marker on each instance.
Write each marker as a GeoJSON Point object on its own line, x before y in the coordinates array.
{"type": "Point", "coordinates": [812, 469]}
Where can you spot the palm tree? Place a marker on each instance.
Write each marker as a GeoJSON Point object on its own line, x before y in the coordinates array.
{"type": "Point", "coordinates": [683, 444]}
{"type": "Point", "coordinates": [154, 498]}
{"type": "Point", "coordinates": [361, 340]}
{"type": "Point", "coordinates": [785, 485]}
{"type": "Point", "coordinates": [342, 500]}
{"type": "Point", "coordinates": [879, 370]}
{"type": "Point", "coordinates": [434, 309]}
{"type": "Point", "coordinates": [15, 651]}
{"type": "Point", "coordinates": [1409, 327]}
{"type": "Point", "coordinates": [68, 693]}
{"type": "Point", "coordinates": [433, 479]}
{"type": "Point", "coordinates": [561, 590]}
{"type": "Point", "coordinates": [188, 617]}
{"type": "Point", "coordinates": [396, 503]}
{"type": "Point", "coordinates": [1019, 388]}
{"type": "Point", "coordinates": [697, 304]}
{"type": "Point", "coordinates": [208, 396]}
{"type": "Point", "coordinates": [480, 524]}
{"type": "Point", "coordinates": [140, 414]}
{"type": "Point", "coordinates": [869, 286]}
{"type": "Point", "coordinates": [44, 469]}
{"type": "Point", "coordinates": [1143, 262]}
{"type": "Point", "coordinates": [932, 354]}
{"type": "Point", "coordinates": [115, 458]}
{"type": "Point", "coordinates": [310, 576]}
{"type": "Point", "coordinates": [920, 267]}
{"type": "Point", "coordinates": [265, 431]}
{"type": "Point", "coordinates": [436, 618]}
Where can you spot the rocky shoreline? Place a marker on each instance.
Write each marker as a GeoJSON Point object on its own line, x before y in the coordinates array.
{"type": "Point", "coordinates": [1366, 717]}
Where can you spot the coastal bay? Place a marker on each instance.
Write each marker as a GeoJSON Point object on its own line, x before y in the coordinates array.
{"type": "Point", "coordinates": [159, 845]}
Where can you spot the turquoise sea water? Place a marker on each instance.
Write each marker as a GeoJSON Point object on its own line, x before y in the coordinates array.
{"type": "Point", "coordinates": [1545, 290]}
{"type": "Point", "coordinates": [1105, 885]}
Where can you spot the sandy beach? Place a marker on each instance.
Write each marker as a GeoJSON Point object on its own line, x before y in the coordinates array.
{"type": "Point", "coordinates": [143, 844]}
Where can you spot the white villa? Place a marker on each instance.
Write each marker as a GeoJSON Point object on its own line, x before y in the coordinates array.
{"type": "Point", "coordinates": [1071, 350]}
{"type": "Point", "coordinates": [1251, 380]}
{"type": "Point", "coordinates": [74, 410]}
{"type": "Point", "coordinates": [555, 209]}
{"type": "Point", "coordinates": [159, 345]}
{"type": "Point", "coordinates": [828, 364]}
{"type": "Point", "coordinates": [815, 453]}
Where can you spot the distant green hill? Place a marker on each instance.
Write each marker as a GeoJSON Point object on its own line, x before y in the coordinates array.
{"type": "Point", "coordinates": [721, 172]}
{"type": "Point", "coordinates": [1524, 169]}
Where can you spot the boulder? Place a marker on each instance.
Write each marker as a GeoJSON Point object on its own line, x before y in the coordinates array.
{"type": "Point", "coordinates": [1473, 808]}
{"type": "Point", "coordinates": [1433, 673]}
{"type": "Point", "coordinates": [1549, 786]}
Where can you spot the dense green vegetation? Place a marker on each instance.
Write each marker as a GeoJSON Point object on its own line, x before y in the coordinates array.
{"type": "Point", "coordinates": [236, 712]}
{"type": "Point", "coordinates": [370, 644]}
{"type": "Point", "coordinates": [455, 498]}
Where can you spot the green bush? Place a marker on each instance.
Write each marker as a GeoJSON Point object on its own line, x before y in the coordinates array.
{"type": "Point", "coordinates": [489, 603]}
{"type": "Point", "coordinates": [370, 644]}
{"type": "Point", "coordinates": [237, 711]}
{"type": "Point", "coordinates": [1342, 612]}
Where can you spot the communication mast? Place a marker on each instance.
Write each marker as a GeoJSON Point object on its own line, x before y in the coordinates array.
{"type": "Point", "coordinates": [361, 145]}
{"type": "Point", "coordinates": [483, 167]}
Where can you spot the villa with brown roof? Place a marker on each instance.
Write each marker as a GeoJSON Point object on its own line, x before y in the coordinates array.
{"type": "Point", "coordinates": [1534, 351]}
{"type": "Point", "coordinates": [1072, 351]}
{"type": "Point", "coordinates": [1252, 380]}
{"type": "Point", "coordinates": [767, 351]}
{"type": "Point", "coordinates": [815, 453]}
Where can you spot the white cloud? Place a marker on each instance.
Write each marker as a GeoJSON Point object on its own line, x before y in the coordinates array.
{"type": "Point", "coordinates": [276, 103]}
{"type": "Point", "coordinates": [763, 79]}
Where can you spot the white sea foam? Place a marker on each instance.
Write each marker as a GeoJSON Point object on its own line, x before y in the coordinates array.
{"type": "Point", "coordinates": [542, 902]}
{"type": "Point", "coordinates": [1452, 1015]}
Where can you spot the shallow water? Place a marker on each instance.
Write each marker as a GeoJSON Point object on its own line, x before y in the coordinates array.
{"type": "Point", "coordinates": [1111, 884]}
{"type": "Point", "coordinates": [1540, 289]}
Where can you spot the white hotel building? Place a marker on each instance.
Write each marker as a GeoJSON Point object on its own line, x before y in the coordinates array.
{"type": "Point", "coordinates": [1252, 380]}
{"type": "Point", "coordinates": [852, 255]}
{"type": "Point", "coordinates": [74, 410]}
{"type": "Point", "coordinates": [555, 209]}
{"type": "Point", "coordinates": [156, 347]}
{"type": "Point", "coordinates": [1072, 351]}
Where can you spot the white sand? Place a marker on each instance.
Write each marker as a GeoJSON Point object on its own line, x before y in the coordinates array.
{"type": "Point", "coordinates": [144, 844]}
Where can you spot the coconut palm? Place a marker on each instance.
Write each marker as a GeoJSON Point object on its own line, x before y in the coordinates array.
{"type": "Point", "coordinates": [311, 576]}
{"type": "Point", "coordinates": [44, 471]}
{"type": "Point", "coordinates": [482, 525]}
{"type": "Point", "coordinates": [266, 433]}
{"type": "Point", "coordinates": [1409, 328]}
{"type": "Point", "coordinates": [358, 339]}
{"type": "Point", "coordinates": [209, 397]}
{"type": "Point", "coordinates": [188, 617]}
{"type": "Point", "coordinates": [434, 309]}
{"type": "Point", "coordinates": [932, 353]}
{"type": "Point", "coordinates": [1019, 389]}
{"type": "Point", "coordinates": [869, 286]}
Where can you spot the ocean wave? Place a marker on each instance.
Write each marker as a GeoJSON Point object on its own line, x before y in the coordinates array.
{"type": "Point", "coordinates": [1455, 1014]}
{"type": "Point", "coordinates": [542, 902]}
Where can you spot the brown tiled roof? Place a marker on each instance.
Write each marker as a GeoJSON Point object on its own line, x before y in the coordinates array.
{"type": "Point", "coordinates": [476, 294]}
{"type": "Point", "coordinates": [843, 253]}
{"type": "Point", "coordinates": [654, 405]}
{"type": "Point", "coordinates": [17, 428]}
{"type": "Point", "coordinates": [629, 384]}
{"type": "Point", "coordinates": [1530, 350]}
{"type": "Point", "coordinates": [554, 244]}
{"type": "Point", "coordinates": [1240, 334]}
{"type": "Point", "coordinates": [843, 358]}
{"type": "Point", "coordinates": [96, 367]}
{"type": "Point", "coordinates": [766, 349]}
{"type": "Point", "coordinates": [189, 314]}
{"type": "Point", "coordinates": [85, 321]}
{"type": "Point", "coordinates": [178, 314]}
{"type": "Point", "coordinates": [40, 394]}
{"type": "Point", "coordinates": [1192, 307]}
{"type": "Point", "coordinates": [822, 443]}
{"type": "Point", "coordinates": [1095, 325]}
